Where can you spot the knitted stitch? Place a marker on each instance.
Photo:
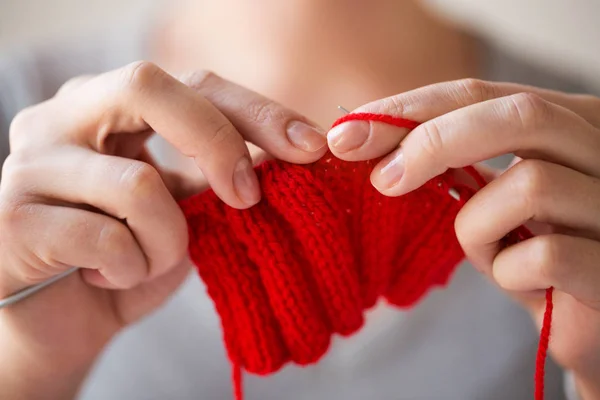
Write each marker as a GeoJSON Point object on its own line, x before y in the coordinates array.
{"type": "Point", "coordinates": [320, 248]}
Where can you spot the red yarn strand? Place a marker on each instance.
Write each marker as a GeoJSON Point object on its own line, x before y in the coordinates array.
{"type": "Point", "coordinates": [540, 362]}
{"type": "Point", "coordinates": [386, 119]}
{"type": "Point", "coordinates": [238, 383]}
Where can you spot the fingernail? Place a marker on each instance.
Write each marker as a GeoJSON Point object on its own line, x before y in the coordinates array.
{"type": "Point", "coordinates": [305, 137]}
{"type": "Point", "coordinates": [348, 136]}
{"type": "Point", "coordinates": [245, 182]}
{"type": "Point", "coordinates": [392, 171]}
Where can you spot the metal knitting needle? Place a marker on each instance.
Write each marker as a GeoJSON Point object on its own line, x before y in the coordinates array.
{"type": "Point", "coordinates": [452, 192]}
{"type": "Point", "coordinates": [342, 109]}
{"type": "Point", "coordinates": [28, 291]}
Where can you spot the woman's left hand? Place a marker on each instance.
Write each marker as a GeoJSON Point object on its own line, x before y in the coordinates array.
{"type": "Point", "coordinates": [556, 185]}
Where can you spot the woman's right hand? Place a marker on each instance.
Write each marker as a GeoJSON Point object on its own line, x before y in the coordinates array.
{"type": "Point", "coordinates": [80, 189]}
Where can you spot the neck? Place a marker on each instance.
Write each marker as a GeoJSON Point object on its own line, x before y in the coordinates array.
{"type": "Point", "coordinates": [347, 52]}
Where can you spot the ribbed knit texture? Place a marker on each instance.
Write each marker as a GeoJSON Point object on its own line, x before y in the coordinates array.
{"type": "Point", "coordinates": [320, 248]}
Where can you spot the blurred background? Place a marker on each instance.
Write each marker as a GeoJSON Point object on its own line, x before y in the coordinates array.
{"type": "Point", "coordinates": [563, 35]}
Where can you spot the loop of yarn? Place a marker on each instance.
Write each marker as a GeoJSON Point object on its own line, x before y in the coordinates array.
{"type": "Point", "coordinates": [321, 248]}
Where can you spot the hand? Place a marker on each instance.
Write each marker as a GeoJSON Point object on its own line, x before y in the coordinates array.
{"type": "Point", "coordinates": [556, 186]}
{"type": "Point", "coordinates": [80, 189]}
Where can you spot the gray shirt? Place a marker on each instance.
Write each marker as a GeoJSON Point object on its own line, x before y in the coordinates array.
{"type": "Point", "coordinates": [467, 342]}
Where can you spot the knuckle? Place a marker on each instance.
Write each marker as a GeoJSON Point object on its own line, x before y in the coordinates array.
{"type": "Point", "coordinates": [140, 74]}
{"type": "Point", "coordinates": [529, 109]}
{"type": "Point", "coordinates": [12, 213]}
{"type": "Point", "coordinates": [396, 104]}
{"type": "Point", "coordinates": [17, 170]}
{"type": "Point", "coordinates": [223, 133]}
{"type": "Point", "coordinates": [473, 90]}
{"type": "Point", "coordinates": [139, 181]}
{"type": "Point", "coordinates": [432, 142]}
{"type": "Point", "coordinates": [198, 79]}
{"type": "Point", "coordinates": [112, 238]}
{"type": "Point", "coordinates": [263, 111]}
{"type": "Point", "coordinates": [73, 84]}
{"type": "Point", "coordinates": [462, 229]}
{"type": "Point", "coordinates": [7, 215]}
{"type": "Point", "coordinates": [548, 253]}
{"type": "Point", "coordinates": [23, 123]}
{"type": "Point", "coordinates": [531, 179]}
{"type": "Point", "coordinates": [48, 255]}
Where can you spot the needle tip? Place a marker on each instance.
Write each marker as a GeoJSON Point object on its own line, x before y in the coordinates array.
{"type": "Point", "coordinates": [342, 109]}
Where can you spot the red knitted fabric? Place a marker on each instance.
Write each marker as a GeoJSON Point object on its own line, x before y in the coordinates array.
{"type": "Point", "coordinates": [320, 248]}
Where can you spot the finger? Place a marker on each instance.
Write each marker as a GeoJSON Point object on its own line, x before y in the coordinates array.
{"type": "Point", "coordinates": [138, 98]}
{"type": "Point", "coordinates": [73, 84]}
{"type": "Point", "coordinates": [431, 101]}
{"type": "Point", "coordinates": [360, 140]}
{"type": "Point", "coordinates": [523, 124]}
{"type": "Point", "coordinates": [530, 191]}
{"type": "Point", "coordinates": [565, 262]}
{"type": "Point", "coordinates": [128, 190]}
{"type": "Point", "coordinates": [62, 237]}
{"type": "Point", "coordinates": [279, 131]}
{"type": "Point", "coordinates": [141, 300]}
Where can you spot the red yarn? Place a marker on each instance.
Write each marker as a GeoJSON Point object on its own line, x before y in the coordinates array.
{"type": "Point", "coordinates": [237, 382]}
{"type": "Point", "coordinates": [386, 119]}
{"type": "Point", "coordinates": [540, 362]}
{"type": "Point", "coordinates": [320, 248]}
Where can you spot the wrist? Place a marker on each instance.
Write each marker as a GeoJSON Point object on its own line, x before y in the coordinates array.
{"type": "Point", "coordinates": [32, 371]}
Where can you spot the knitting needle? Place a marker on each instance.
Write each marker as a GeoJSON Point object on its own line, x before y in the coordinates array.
{"type": "Point", "coordinates": [342, 109]}
{"type": "Point", "coordinates": [28, 291]}
{"type": "Point", "coordinates": [452, 192]}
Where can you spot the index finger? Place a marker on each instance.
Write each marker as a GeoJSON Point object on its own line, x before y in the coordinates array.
{"type": "Point", "coordinates": [523, 124]}
{"type": "Point", "coordinates": [363, 140]}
